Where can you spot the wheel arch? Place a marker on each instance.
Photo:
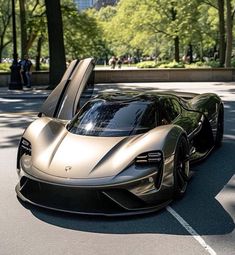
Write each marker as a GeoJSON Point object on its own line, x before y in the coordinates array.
{"type": "Point", "coordinates": [169, 149]}
{"type": "Point", "coordinates": [207, 103]}
{"type": "Point", "coordinates": [172, 139]}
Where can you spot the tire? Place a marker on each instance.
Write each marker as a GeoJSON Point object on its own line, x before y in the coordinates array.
{"type": "Point", "coordinates": [220, 127]}
{"type": "Point", "coordinates": [181, 167]}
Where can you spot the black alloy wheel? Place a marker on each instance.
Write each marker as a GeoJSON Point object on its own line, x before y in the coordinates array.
{"type": "Point", "coordinates": [181, 167]}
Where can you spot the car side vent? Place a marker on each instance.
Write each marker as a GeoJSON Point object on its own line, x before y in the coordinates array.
{"type": "Point", "coordinates": [149, 157]}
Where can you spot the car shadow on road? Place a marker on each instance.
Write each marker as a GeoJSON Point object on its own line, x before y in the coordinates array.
{"type": "Point", "coordinates": [200, 207]}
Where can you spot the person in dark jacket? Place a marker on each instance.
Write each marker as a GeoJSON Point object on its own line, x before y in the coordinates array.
{"type": "Point", "coordinates": [25, 70]}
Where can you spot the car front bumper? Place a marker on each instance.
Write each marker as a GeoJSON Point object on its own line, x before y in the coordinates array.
{"type": "Point", "coordinates": [135, 197]}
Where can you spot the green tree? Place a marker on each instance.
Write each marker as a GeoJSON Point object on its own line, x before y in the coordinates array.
{"type": "Point", "coordinates": [229, 35]}
{"type": "Point", "coordinates": [207, 41]}
{"type": "Point", "coordinates": [153, 26]}
{"type": "Point", "coordinates": [225, 26]}
{"type": "Point", "coordinates": [23, 28]}
{"type": "Point", "coordinates": [82, 35]}
{"type": "Point", "coordinates": [5, 17]}
{"type": "Point", "coordinates": [222, 45]}
{"type": "Point", "coordinates": [32, 24]}
{"type": "Point", "coordinates": [106, 14]}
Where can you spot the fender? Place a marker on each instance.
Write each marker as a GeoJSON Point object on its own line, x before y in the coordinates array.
{"type": "Point", "coordinates": [206, 103]}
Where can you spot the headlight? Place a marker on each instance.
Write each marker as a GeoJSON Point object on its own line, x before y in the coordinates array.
{"type": "Point", "coordinates": [24, 149]}
{"type": "Point", "coordinates": [151, 157]}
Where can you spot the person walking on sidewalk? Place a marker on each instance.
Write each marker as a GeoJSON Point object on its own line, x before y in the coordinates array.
{"type": "Point", "coordinates": [119, 62]}
{"type": "Point", "coordinates": [112, 62]}
{"type": "Point", "coordinates": [25, 68]}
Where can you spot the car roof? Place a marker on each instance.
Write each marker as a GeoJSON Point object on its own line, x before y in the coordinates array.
{"type": "Point", "coordinates": [129, 96]}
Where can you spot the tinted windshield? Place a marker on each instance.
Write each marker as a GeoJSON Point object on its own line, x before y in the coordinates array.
{"type": "Point", "coordinates": [102, 118]}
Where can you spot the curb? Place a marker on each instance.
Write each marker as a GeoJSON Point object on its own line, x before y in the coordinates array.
{"type": "Point", "coordinates": [23, 96]}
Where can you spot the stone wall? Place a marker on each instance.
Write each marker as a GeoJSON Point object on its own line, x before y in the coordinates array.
{"type": "Point", "coordinates": [142, 75]}
{"type": "Point", "coordinates": [37, 78]}
{"type": "Point", "coordinates": [167, 75]}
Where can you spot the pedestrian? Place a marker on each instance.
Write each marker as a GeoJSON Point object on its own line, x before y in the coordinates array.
{"type": "Point", "coordinates": [119, 62]}
{"type": "Point", "coordinates": [112, 62]}
{"type": "Point", "coordinates": [129, 60]}
{"type": "Point", "coordinates": [25, 70]}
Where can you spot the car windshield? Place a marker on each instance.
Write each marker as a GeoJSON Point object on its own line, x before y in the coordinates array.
{"type": "Point", "coordinates": [102, 118]}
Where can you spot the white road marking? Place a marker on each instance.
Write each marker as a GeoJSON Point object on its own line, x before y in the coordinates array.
{"type": "Point", "coordinates": [191, 231]}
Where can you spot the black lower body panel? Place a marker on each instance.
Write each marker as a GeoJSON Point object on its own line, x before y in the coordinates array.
{"type": "Point", "coordinates": [108, 202]}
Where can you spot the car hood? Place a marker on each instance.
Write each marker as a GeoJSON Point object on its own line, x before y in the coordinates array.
{"type": "Point", "coordinates": [75, 156]}
{"type": "Point", "coordinates": [57, 152]}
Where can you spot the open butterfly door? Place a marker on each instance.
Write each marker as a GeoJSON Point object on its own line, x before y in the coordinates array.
{"type": "Point", "coordinates": [74, 89]}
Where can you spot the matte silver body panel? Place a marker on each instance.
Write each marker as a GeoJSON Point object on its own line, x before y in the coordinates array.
{"type": "Point", "coordinates": [92, 160]}
{"type": "Point", "coordinates": [63, 101]}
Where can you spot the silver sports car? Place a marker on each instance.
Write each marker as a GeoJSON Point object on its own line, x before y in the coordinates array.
{"type": "Point", "coordinates": [115, 153]}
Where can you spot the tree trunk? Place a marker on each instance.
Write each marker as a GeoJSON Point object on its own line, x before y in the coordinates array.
{"type": "Point", "coordinates": [229, 37]}
{"type": "Point", "coordinates": [39, 48]}
{"type": "Point", "coordinates": [1, 47]}
{"type": "Point", "coordinates": [222, 45]}
{"type": "Point", "coordinates": [177, 49]}
{"type": "Point", "coordinates": [23, 28]}
{"type": "Point", "coordinates": [176, 38]}
{"type": "Point", "coordinates": [0, 55]}
{"type": "Point", "coordinates": [190, 53]}
{"type": "Point", "coordinates": [56, 41]}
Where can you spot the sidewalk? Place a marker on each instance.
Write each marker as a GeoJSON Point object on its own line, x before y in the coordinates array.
{"type": "Point", "coordinates": [35, 92]}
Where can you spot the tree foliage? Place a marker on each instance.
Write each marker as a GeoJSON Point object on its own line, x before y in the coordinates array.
{"type": "Point", "coordinates": [32, 27]}
{"type": "Point", "coordinates": [160, 28]}
{"type": "Point", "coordinates": [229, 38]}
{"type": "Point", "coordinates": [83, 37]}
{"type": "Point", "coordinates": [5, 17]}
{"type": "Point", "coordinates": [166, 29]}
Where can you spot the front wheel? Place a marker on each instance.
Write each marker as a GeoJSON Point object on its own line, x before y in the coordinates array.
{"type": "Point", "coordinates": [181, 167]}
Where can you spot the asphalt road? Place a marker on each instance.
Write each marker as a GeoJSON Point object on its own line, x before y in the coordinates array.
{"type": "Point", "coordinates": [200, 223]}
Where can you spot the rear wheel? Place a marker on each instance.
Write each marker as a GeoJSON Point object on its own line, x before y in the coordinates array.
{"type": "Point", "coordinates": [220, 127]}
{"type": "Point", "coordinates": [181, 167]}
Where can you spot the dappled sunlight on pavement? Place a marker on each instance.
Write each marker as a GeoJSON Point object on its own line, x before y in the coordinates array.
{"type": "Point", "coordinates": [15, 121]}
